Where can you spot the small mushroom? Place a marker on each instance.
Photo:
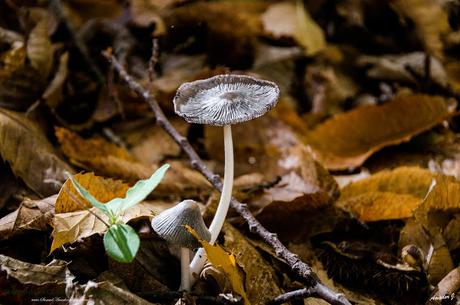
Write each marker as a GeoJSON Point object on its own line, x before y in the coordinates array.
{"type": "Point", "coordinates": [170, 225]}
{"type": "Point", "coordinates": [224, 100]}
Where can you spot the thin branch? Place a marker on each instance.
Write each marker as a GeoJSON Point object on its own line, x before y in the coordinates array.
{"type": "Point", "coordinates": [299, 267]}
{"type": "Point", "coordinates": [317, 291]}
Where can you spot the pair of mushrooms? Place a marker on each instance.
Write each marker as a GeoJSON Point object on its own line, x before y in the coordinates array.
{"type": "Point", "coordinates": [221, 100]}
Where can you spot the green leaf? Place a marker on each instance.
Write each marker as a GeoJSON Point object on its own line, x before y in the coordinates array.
{"type": "Point", "coordinates": [138, 192]}
{"type": "Point", "coordinates": [121, 242]}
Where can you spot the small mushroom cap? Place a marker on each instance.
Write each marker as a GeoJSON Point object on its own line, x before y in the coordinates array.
{"type": "Point", "coordinates": [170, 224]}
{"type": "Point", "coordinates": [225, 99]}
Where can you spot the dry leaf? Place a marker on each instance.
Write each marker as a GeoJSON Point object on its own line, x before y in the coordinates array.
{"type": "Point", "coordinates": [224, 261]}
{"type": "Point", "coordinates": [31, 215]}
{"type": "Point", "coordinates": [261, 281]}
{"type": "Point", "coordinates": [414, 181]}
{"type": "Point", "coordinates": [101, 156]}
{"type": "Point", "coordinates": [103, 189]}
{"type": "Point", "coordinates": [430, 19]}
{"type": "Point", "coordinates": [347, 140]}
{"type": "Point", "coordinates": [287, 20]}
{"type": "Point", "coordinates": [29, 153]}
{"type": "Point", "coordinates": [26, 273]}
{"type": "Point", "coordinates": [70, 227]}
{"type": "Point", "coordinates": [39, 48]}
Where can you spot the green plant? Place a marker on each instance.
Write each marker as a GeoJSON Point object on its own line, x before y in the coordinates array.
{"type": "Point", "coordinates": [121, 241]}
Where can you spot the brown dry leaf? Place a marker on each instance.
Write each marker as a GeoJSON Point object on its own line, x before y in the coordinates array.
{"type": "Point", "coordinates": [31, 156]}
{"type": "Point", "coordinates": [444, 196]}
{"type": "Point", "coordinates": [26, 273]}
{"type": "Point", "coordinates": [225, 262]}
{"type": "Point", "coordinates": [31, 215]}
{"type": "Point", "coordinates": [347, 140]}
{"type": "Point", "coordinates": [103, 189]}
{"type": "Point", "coordinates": [39, 48]}
{"type": "Point", "coordinates": [101, 156]}
{"type": "Point", "coordinates": [70, 227]}
{"type": "Point", "coordinates": [261, 281]}
{"type": "Point", "coordinates": [289, 20]}
{"type": "Point", "coordinates": [430, 19]}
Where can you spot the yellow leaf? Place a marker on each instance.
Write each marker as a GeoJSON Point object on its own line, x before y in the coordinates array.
{"type": "Point", "coordinates": [347, 140]}
{"type": "Point", "coordinates": [226, 262]}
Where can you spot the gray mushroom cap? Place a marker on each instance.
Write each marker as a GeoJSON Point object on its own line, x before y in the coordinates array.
{"type": "Point", "coordinates": [170, 224]}
{"type": "Point", "coordinates": [225, 99]}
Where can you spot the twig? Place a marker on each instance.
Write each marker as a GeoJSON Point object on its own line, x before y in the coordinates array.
{"type": "Point", "coordinates": [315, 291]}
{"type": "Point", "coordinates": [297, 266]}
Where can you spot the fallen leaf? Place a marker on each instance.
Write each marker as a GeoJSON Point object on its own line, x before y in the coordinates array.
{"type": "Point", "coordinates": [101, 156]}
{"type": "Point", "coordinates": [31, 156]}
{"type": "Point", "coordinates": [26, 273]}
{"type": "Point", "coordinates": [289, 20]}
{"type": "Point", "coordinates": [430, 19]}
{"type": "Point", "coordinates": [381, 206]}
{"type": "Point", "coordinates": [414, 181]}
{"type": "Point", "coordinates": [224, 261]}
{"type": "Point", "coordinates": [103, 189]}
{"type": "Point", "coordinates": [31, 215]}
{"type": "Point", "coordinates": [447, 288]}
{"type": "Point", "coordinates": [53, 92]}
{"type": "Point", "coordinates": [261, 281]}
{"type": "Point", "coordinates": [70, 227]}
{"type": "Point", "coordinates": [347, 140]}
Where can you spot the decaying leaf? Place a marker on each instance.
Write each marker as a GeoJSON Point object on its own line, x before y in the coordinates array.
{"type": "Point", "coordinates": [103, 189]}
{"type": "Point", "coordinates": [347, 140]}
{"type": "Point", "coordinates": [31, 156]}
{"type": "Point", "coordinates": [289, 20]}
{"type": "Point", "coordinates": [31, 215]}
{"type": "Point", "coordinates": [72, 226]}
{"type": "Point", "coordinates": [226, 262]}
{"type": "Point", "coordinates": [26, 273]}
{"type": "Point", "coordinates": [261, 282]}
{"type": "Point", "coordinates": [101, 156]}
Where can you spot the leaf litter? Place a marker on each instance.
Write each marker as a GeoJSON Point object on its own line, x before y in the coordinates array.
{"type": "Point", "coordinates": [369, 97]}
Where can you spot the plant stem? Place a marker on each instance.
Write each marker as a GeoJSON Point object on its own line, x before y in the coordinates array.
{"type": "Point", "coordinates": [185, 269]}
{"type": "Point", "coordinates": [300, 268]}
{"type": "Point", "coordinates": [219, 218]}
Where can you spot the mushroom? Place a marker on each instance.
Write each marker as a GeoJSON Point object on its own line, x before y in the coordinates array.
{"type": "Point", "coordinates": [170, 225]}
{"type": "Point", "coordinates": [224, 100]}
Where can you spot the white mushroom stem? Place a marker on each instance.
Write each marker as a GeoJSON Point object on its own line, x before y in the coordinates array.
{"type": "Point", "coordinates": [219, 218]}
{"type": "Point", "coordinates": [185, 269]}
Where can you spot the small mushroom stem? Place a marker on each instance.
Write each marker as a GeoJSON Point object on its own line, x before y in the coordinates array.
{"type": "Point", "coordinates": [219, 218]}
{"type": "Point", "coordinates": [185, 269]}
